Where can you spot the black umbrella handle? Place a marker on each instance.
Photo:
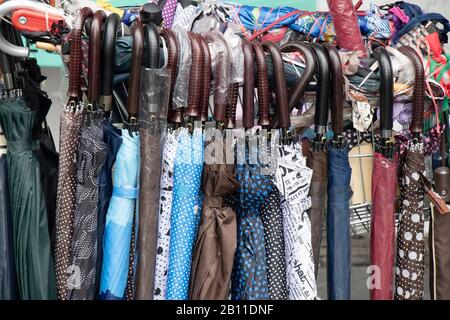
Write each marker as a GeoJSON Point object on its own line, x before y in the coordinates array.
{"type": "Point", "coordinates": [108, 56]}
{"type": "Point", "coordinates": [284, 120]}
{"type": "Point", "coordinates": [322, 91]}
{"type": "Point", "coordinates": [76, 55]}
{"type": "Point", "coordinates": [416, 125]}
{"type": "Point", "coordinates": [95, 47]}
{"type": "Point", "coordinates": [6, 68]}
{"type": "Point", "coordinates": [336, 90]}
{"type": "Point", "coordinates": [134, 83]}
{"type": "Point", "coordinates": [386, 92]}
{"type": "Point", "coordinates": [262, 85]}
{"type": "Point", "coordinates": [153, 43]}
{"type": "Point", "coordinates": [249, 85]}
{"type": "Point", "coordinates": [296, 92]}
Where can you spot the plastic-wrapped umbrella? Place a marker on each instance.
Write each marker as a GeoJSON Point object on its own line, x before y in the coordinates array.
{"type": "Point", "coordinates": [122, 206]}
{"type": "Point", "coordinates": [249, 279]}
{"type": "Point", "coordinates": [384, 184]}
{"type": "Point", "coordinates": [410, 258]}
{"type": "Point", "coordinates": [71, 122]}
{"type": "Point", "coordinates": [166, 183]}
{"type": "Point", "coordinates": [29, 218]}
{"type": "Point", "coordinates": [339, 193]}
{"type": "Point", "coordinates": [111, 135]}
{"type": "Point", "coordinates": [91, 156]}
{"type": "Point", "coordinates": [152, 118]}
{"type": "Point", "coordinates": [186, 207]}
{"type": "Point", "coordinates": [293, 179]}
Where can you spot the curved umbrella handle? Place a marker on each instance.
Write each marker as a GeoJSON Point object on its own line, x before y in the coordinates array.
{"type": "Point", "coordinates": [416, 125]}
{"type": "Point", "coordinates": [248, 104]}
{"type": "Point", "coordinates": [386, 91]}
{"type": "Point", "coordinates": [175, 116]}
{"type": "Point", "coordinates": [75, 64]}
{"type": "Point", "coordinates": [6, 68]}
{"type": "Point", "coordinates": [108, 55]}
{"type": "Point", "coordinates": [322, 91]}
{"type": "Point", "coordinates": [337, 89]}
{"type": "Point", "coordinates": [298, 90]}
{"type": "Point", "coordinates": [95, 55]}
{"type": "Point", "coordinates": [7, 7]}
{"type": "Point", "coordinates": [153, 43]}
{"type": "Point", "coordinates": [263, 84]}
{"type": "Point", "coordinates": [233, 96]}
{"type": "Point", "coordinates": [204, 99]}
{"type": "Point", "coordinates": [195, 79]}
{"type": "Point", "coordinates": [136, 71]}
{"type": "Point", "coordinates": [281, 97]}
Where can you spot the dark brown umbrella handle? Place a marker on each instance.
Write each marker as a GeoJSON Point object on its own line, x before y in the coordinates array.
{"type": "Point", "coordinates": [263, 85]}
{"type": "Point", "coordinates": [136, 71]}
{"type": "Point", "coordinates": [153, 43]}
{"type": "Point", "coordinates": [175, 116]}
{"type": "Point", "coordinates": [76, 54]}
{"type": "Point", "coordinates": [206, 85]}
{"type": "Point", "coordinates": [336, 90]}
{"type": "Point", "coordinates": [298, 90]}
{"type": "Point", "coordinates": [416, 125]}
{"type": "Point", "coordinates": [95, 45]}
{"type": "Point", "coordinates": [322, 91]}
{"type": "Point", "coordinates": [195, 78]}
{"type": "Point", "coordinates": [386, 91]}
{"type": "Point", "coordinates": [249, 85]}
{"type": "Point", "coordinates": [108, 56]}
{"type": "Point", "coordinates": [233, 96]}
{"type": "Point", "coordinates": [281, 97]}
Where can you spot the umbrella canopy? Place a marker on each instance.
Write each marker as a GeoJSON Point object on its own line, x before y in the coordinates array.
{"type": "Point", "coordinates": [165, 213]}
{"type": "Point", "coordinates": [119, 219]}
{"type": "Point", "coordinates": [215, 247]}
{"type": "Point", "coordinates": [34, 261]}
{"type": "Point", "coordinates": [384, 184]}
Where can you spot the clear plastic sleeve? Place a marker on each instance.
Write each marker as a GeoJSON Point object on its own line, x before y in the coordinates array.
{"type": "Point", "coordinates": [234, 43]}
{"type": "Point", "coordinates": [181, 89]}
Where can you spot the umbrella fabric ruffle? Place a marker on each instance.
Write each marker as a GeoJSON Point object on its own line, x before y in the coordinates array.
{"type": "Point", "coordinates": [215, 247]}
{"type": "Point", "coordinates": [186, 211]}
{"type": "Point", "coordinates": [338, 224]}
{"type": "Point", "coordinates": [165, 213]}
{"type": "Point", "coordinates": [382, 231]}
{"type": "Point", "coordinates": [33, 258]}
{"type": "Point", "coordinates": [119, 219]}
{"type": "Point", "coordinates": [293, 179]}
{"type": "Point", "coordinates": [410, 258]}
{"type": "Point", "coordinates": [91, 158]}
{"type": "Point", "coordinates": [71, 122]}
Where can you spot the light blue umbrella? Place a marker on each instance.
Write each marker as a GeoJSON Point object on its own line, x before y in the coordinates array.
{"type": "Point", "coordinates": [119, 219]}
{"type": "Point", "coordinates": [186, 212]}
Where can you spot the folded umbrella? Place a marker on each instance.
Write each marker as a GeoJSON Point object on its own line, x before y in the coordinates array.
{"type": "Point", "coordinates": [410, 255]}
{"type": "Point", "coordinates": [118, 250]}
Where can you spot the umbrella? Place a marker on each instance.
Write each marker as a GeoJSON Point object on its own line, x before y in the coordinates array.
{"type": "Point", "coordinates": [213, 256]}
{"type": "Point", "coordinates": [293, 179]}
{"type": "Point", "coordinates": [384, 184]}
{"type": "Point", "coordinates": [122, 207]}
{"type": "Point", "coordinates": [410, 258]}
{"type": "Point", "coordinates": [186, 211]}
{"type": "Point", "coordinates": [150, 133]}
{"type": "Point", "coordinates": [71, 122]}
{"type": "Point", "coordinates": [166, 183]}
{"type": "Point", "coordinates": [339, 192]}
{"type": "Point", "coordinates": [91, 157]}
{"type": "Point", "coordinates": [249, 278]}
{"type": "Point", "coordinates": [111, 135]}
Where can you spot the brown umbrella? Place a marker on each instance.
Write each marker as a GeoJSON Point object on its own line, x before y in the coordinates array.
{"type": "Point", "coordinates": [71, 122]}
{"type": "Point", "coordinates": [410, 262]}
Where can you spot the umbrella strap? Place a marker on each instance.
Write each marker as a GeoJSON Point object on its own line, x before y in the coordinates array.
{"type": "Point", "coordinates": [23, 146]}
{"type": "Point", "coordinates": [125, 192]}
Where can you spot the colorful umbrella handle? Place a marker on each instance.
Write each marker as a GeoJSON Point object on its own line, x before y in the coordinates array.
{"type": "Point", "coordinates": [416, 125]}
{"type": "Point", "coordinates": [263, 84]}
{"type": "Point", "coordinates": [386, 91]}
{"type": "Point", "coordinates": [95, 47]}
{"type": "Point", "coordinates": [76, 55]}
{"type": "Point", "coordinates": [337, 89]}
{"type": "Point", "coordinates": [322, 91]}
{"type": "Point", "coordinates": [249, 85]}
